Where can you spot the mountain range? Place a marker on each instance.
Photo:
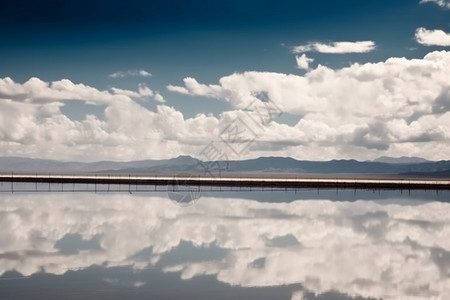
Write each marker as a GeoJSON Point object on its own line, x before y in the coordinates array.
{"type": "Point", "coordinates": [406, 166]}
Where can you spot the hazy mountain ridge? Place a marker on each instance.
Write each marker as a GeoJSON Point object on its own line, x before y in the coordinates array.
{"type": "Point", "coordinates": [335, 166]}
{"type": "Point", "coordinates": [401, 160]}
{"type": "Point", "coordinates": [187, 164]}
{"type": "Point", "coordinates": [18, 164]}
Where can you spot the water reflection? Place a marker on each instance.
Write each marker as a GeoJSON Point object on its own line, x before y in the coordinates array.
{"type": "Point", "coordinates": [302, 249]}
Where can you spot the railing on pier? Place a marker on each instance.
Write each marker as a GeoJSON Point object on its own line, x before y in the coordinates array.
{"type": "Point", "coordinates": [108, 183]}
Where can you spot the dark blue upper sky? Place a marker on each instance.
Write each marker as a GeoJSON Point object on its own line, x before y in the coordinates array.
{"type": "Point", "coordinates": [85, 40]}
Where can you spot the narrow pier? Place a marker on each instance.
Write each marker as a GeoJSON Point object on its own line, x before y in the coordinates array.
{"type": "Point", "coordinates": [234, 181]}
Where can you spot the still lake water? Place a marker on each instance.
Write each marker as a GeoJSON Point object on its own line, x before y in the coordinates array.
{"type": "Point", "coordinates": [304, 244]}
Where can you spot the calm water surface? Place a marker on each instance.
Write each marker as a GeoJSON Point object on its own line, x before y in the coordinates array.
{"type": "Point", "coordinates": [229, 245]}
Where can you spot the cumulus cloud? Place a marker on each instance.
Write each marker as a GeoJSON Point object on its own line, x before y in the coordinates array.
{"type": "Point", "coordinates": [434, 37]}
{"type": "Point", "coordinates": [396, 107]}
{"type": "Point", "coordinates": [371, 108]}
{"type": "Point", "coordinates": [159, 98]}
{"type": "Point", "coordinates": [336, 47]}
{"type": "Point", "coordinates": [303, 61]}
{"type": "Point", "coordinates": [145, 90]}
{"type": "Point", "coordinates": [178, 89]}
{"type": "Point", "coordinates": [32, 123]}
{"type": "Point", "coordinates": [127, 93]}
{"type": "Point", "coordinates": [379, 249]}
{"type": "Point", "coordinates": [191, 86]}
{"type": "Point", "coordinates": [130, 73]}
{"type": "Point", "coordinates": [441, 3]}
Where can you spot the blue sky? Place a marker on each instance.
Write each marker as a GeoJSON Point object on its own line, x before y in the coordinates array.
{"type": "Point", "coordinates": [101, 52]}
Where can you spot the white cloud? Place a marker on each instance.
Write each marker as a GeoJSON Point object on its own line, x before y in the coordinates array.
{"type": "Point", "coordinates": [397, 107]}
{"type": "Point", "coordinates": [193, 87]}
{"type": "Point", "coordinates": [32, 123]}
{"type": "Point", "coordinates": [127, 93]}
{"type": "Point", "coordinates": [432, 37]}
{"type": "Point", "coordinates": [348, 247]}
{"type": "Point", "coordinates": [132, 73]}
{"type": "Point", "coordinates": [144, 73]}
{"type": "Point", "coordinates": [336, 47]}
{"type": "Point", "coordinates": [145, 91]}
{"type": "Point", "coordinates": [303, 62]}
{"type": "Point", "coordinates": [361, 110]}
{"type": "Point", "coordinates": [159, 98]}
{"type": "Point", "coordinates": [177, 89]}
{"type": "Point", "coordinates": [441, 3]}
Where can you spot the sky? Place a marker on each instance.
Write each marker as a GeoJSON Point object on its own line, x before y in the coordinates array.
{"type": "Point", "coordinates": [314, 80]}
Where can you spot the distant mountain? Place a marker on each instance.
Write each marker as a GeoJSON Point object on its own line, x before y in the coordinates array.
{"type": "Point", "coordinates": [267, 165]}
{"type": "Point", "coordinates": [400, 160]}
{"type": "Point", "coordinates": [30, 165]}
{"type": "Point", "coordinates": [177, 165]}
{"type": "Point", "coordinates": [283, 165]}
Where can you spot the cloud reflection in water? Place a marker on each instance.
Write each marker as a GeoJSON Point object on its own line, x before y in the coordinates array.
{"type": "Point", "coordinates": [369, 248]}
